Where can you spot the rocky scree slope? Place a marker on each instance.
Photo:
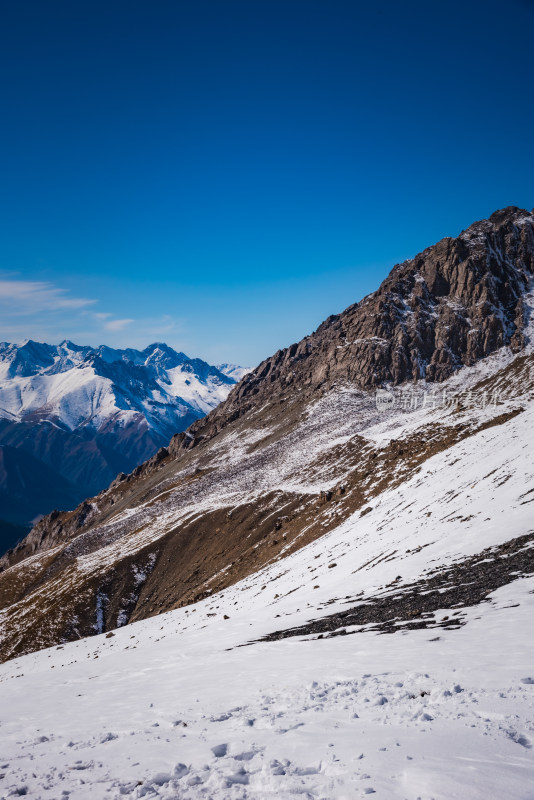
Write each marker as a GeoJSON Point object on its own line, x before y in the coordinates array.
{"type": "Point", "coordinates": [289, 456]}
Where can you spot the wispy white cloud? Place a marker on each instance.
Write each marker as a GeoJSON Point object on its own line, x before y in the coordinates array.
{"type": "Point", "coordinates": [43, 311]}
{"type": "Point", "coordinates": [29, 297]}
{"type": "Point", "coordinates": [51, 304]}
{"type": "Point", "coordinates": [162, 326]}
{"type": "Point", "coordinates": [117, 324]}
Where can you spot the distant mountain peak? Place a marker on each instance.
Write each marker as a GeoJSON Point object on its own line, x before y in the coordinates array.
{"type": "Point", "coordinates": [159, 346]}
{"type": "Point", "coordinates": [233, 371]}
{"type": "Point", "coordinates": [108, 409]}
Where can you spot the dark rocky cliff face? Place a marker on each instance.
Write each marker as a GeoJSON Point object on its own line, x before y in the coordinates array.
{"type": "Point", "coordinates": [456, 302]}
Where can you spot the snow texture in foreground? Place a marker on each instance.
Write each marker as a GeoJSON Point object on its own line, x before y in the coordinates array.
{"type": "Point", "coordinates": [174, 707]}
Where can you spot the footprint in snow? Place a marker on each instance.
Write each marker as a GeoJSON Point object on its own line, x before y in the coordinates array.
{"type": "Point", "coordinates": [380, 701]}
{"type": "Point", "coordinates": [160, 779]}
{"type": "Point", "coordinates": [520, 738]}
{"type": "Point", "coordinates": [239, 777]}
{"type": "Point", "coordinates": [247, 756]}
{"type": "Point", "coordinates": [220, 750]}
{"type": "Point", "coordinates": [307, 770]}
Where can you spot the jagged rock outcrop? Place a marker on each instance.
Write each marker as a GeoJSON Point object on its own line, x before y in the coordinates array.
{"type": "Point", "coordinates": [454, 303]}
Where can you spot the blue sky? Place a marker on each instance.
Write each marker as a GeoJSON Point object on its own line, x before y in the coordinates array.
{"type": "Point", "coordinates": [224, 175]}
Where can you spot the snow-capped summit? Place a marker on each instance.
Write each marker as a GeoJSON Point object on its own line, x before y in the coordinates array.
{"type": "Point", "coordinates": [234, 371]}
{"type": "Point", "coordinates": [89, 413]}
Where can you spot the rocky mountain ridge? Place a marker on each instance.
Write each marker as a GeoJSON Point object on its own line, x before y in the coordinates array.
{"type": "Point", "coordinates": [452, 304]}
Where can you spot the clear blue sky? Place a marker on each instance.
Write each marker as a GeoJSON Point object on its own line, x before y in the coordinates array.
{"type": "Point", "coordinates": [224, 175]}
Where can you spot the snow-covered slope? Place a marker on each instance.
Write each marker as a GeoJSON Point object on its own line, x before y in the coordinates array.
{"type": "Point", "coordinates": [91, 413]}
{"type": "Point", "coordinates": [233, 371]}
{"type": "Point", "coordinates": [264, 690]}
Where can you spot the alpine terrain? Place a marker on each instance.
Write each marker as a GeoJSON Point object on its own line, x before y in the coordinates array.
{"type": "Point", "coordinates": [324, 588]}
{"type": "Point", "coordinates": [72, 418]}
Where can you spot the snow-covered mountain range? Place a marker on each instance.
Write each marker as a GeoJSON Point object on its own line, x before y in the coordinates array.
{"type": "Point", "coordinates": [324, 588]}
{"type": "Point", "coordinates": [84, 414]}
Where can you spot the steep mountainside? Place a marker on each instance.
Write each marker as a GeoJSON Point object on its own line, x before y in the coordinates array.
{"type": "Point", "coordinates": [454, 303]}
{"type": "Point", "coordinates": [85, 415]}
{"type": "Point", "coordinates": [301, 446]}
{"type": "Point", "coordinates": [233, 371]}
